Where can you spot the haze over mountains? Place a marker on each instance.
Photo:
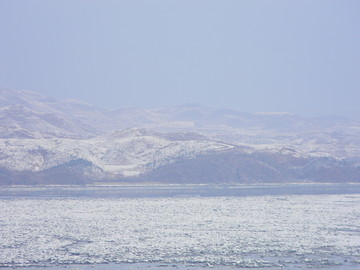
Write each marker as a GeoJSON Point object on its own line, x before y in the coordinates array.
{"type": "Point", "coordinates": [45, 141]}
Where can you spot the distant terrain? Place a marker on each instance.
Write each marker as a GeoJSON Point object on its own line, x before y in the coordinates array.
{"type": "Point", "coordinates": [48, 141]}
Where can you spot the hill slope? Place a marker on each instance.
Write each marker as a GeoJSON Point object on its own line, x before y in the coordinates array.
{"type": "Point", "coordinates": [44, 140]}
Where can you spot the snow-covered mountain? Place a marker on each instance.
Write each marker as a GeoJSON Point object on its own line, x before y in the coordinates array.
{"type": "Point", "coordinates": [43, 138]}
{"type": "Point", "coordinates": [26, 114]}
{"type": "Point", "coordinates": [122, 153]}
{"type": "Point", "coordinates": [23, 113]}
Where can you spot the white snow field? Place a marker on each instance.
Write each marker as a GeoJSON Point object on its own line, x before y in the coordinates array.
{"type": "Point", "coordinates": [264, 232]}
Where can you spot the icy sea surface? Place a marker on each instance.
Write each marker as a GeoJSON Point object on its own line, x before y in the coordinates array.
{"type": "Point", "coordinates": [170, 229]}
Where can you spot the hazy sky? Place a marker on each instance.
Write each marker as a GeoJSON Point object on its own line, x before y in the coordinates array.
{"type": "Point", "coordinates": [300, 56]}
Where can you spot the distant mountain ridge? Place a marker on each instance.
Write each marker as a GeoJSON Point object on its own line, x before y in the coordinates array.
{"type": "Point", "coordinates": [45, 140]}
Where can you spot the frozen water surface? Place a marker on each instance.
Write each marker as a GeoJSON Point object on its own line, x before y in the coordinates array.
{"type": "Point", "coordinates": [175, 232]}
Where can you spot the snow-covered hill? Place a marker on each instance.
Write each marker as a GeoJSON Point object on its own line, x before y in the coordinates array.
{"type": "Point", "coordinates": [45, 136]}
{"type": "Point", "coordinates": [26, 114]}
{"type": "Point", "coordinates": [121, 153]}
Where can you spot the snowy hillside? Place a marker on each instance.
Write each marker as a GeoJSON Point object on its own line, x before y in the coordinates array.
{"type": "Point", "coordinates": [122, 153]}
{"type": "Point", "coordinates": [26, 114]}
{"type": "Point", "coordinates": [42, 136]}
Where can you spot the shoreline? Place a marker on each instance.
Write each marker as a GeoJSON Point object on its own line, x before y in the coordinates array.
{"type": "Point", "coordinates": [176, 190]}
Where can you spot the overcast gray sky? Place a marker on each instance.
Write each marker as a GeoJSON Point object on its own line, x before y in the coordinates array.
{"type": "Point", "coordinates": [298, 56]}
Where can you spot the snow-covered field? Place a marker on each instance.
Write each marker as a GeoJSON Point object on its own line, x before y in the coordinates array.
{"type": "Point", "coordinates": [276, 232]}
